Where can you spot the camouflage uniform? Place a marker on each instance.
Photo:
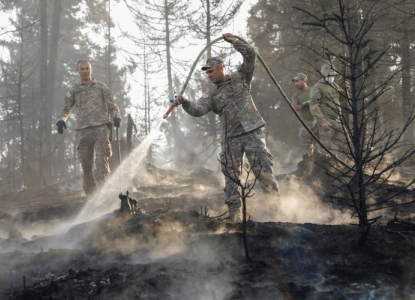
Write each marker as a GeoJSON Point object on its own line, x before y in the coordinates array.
{"type": "Point", "coordinates": [325, 106]}
{"type": "Point", "coordinates": [306, 140]}
{"type": "Point", "coordinates": [241, 123]}
{"type": "Point", "coordinates": [94, 102]}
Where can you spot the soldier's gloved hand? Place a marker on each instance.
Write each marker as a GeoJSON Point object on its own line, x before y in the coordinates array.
{"type": "Point", "coordinates": [305, 104]}
{"type": "Point", "coordinates": [229, 38]}
{"type": "Point", "coordinates": [117, 121]}
{"type": "Point", "coordinates": [181, 100]}
{"type": "Point", "coordinates": [61, 125]}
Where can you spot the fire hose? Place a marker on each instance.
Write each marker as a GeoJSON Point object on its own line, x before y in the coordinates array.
{"type": "Point", "coordinates": [119, 151]}
{"type": "Point", "coordinates": [173, 100]}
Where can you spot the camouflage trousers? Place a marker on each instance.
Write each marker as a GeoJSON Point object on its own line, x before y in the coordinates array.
{"type": "Point", "coordinates": [306, 140]}
{"type": "Point", "coordinates": [89, 139]}
{"type": "Point", "coordinates": [333, 138]}
{"type": "Point", "coordinates": [260, 160]}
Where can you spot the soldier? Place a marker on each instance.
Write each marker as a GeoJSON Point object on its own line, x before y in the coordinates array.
{"type": "Point", "coordinates": [241, 124]}
{"type": "Point", "coordinates": [325, 99]}
{"type": "Point", "coordinates": [95, 105]}
{"type": "Point", "coordinates": [301, 103]}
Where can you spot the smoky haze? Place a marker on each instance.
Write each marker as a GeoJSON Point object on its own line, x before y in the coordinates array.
{"type": "Point", "coordinates": [172, 246]}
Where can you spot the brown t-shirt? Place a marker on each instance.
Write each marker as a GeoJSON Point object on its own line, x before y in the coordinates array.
{"type": "Point", "coordinates": [300, 97]}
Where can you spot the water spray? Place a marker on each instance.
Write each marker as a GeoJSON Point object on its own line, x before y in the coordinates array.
{"type": "Point", "coordinates": [102, 202]}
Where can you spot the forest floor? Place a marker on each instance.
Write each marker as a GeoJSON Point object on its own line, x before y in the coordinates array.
{"type": "Point", "coordinates": [306, 252]}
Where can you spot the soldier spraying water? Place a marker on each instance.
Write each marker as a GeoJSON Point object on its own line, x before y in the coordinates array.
{"type": "Point", "coordinates": [95, 105]}
{"type": "Point", "coordinates": [241, 122]}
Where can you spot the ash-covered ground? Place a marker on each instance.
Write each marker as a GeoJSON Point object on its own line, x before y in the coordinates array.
{"type": "Point", "coordinates": [301, 245]}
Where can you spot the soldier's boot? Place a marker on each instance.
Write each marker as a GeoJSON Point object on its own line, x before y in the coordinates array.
{"type": "Point", "coordinates": [235, 214]}
{"type": "Point", "coordinates": [305, 165]}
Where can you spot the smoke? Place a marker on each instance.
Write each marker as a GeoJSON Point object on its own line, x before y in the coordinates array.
{"type": "Point", "coordinates": [298, 203]}
{"type": "Point", "coordinates": [285, 156]}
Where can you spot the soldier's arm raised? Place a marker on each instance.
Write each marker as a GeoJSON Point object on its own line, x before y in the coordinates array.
{"type": "Point", "coordinates": [247, 68]}
{"type": "Point", "coordinates": [196, 109]}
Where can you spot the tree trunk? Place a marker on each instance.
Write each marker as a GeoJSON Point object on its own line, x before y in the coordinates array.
{"type": "Point", "coordinates": [43, 84]}
{"type": "Point", "coordinates": [167, 40]}
{"type": "Point", "coordinates": [208, 20]}
{"type": "Point", "coordinates": [9, 159]}
{"type": "Point", "coordinates": [53, 58]}
{"type": "Point", "coordinates": [406, 86]}
{"type": "Point", "coordinates": [146, 109]}
{"type": "Point", "coordinates": [173, 137]}
{"type": "Point", "coordinates": [359, 124]}
{"type": "Point", "coordinates": [55, 168]}
{"type": "Point", "coordinates": [19, 111]}
{"type": "Point", "coordinates": [212, 116]}
{"type": "Point", "coordinates": [109, 47]}
{"type": "Point", "coordinates": [130, 124]}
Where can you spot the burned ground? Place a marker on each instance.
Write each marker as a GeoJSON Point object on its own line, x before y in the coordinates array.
{"type": "Point", "coordinates": [185, 254]}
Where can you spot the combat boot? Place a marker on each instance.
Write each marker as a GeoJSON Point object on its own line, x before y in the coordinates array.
{"type": "Point", "coordinates": [304, 165]}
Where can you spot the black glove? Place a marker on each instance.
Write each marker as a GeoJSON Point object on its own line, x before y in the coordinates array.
{"type": "Point", "coordinates": [61, 125]}
{"type": "Point", "coordinates": [305, 104]}
{"type": "Point", "coordinates": [117, 121]}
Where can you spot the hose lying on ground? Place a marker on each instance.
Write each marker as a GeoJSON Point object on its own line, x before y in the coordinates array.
{"type": "Point", "coordinates": [279, 88]}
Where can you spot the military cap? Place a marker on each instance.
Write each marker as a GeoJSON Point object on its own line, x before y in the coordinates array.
{"type": "Point", "coordinates": [327, 70]}
{"type": "Point", "coordinates": [211, 61]}
{"type": "Point", "coordinates": [300, 76]}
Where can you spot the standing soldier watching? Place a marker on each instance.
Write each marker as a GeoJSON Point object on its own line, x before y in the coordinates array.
{"type": "Point", "coordinates": [325, 99]}
{"type": "Point", "coordinates": [301, 103]}
{"type": "Point", "coordinates": [95, 105]}
{"type": "Point", "coordinates": [241, 124]}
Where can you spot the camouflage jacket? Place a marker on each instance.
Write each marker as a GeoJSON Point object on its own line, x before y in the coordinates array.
{"type": "Point", "coordinates": [325, 101]}
{"type": "Point", "coordinates": [232, 99]}
{"type": "Point", "coordinates": [94, 102]}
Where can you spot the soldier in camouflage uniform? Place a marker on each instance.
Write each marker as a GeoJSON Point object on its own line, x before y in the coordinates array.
{"type": "Point", "coordinates": [301, 103]}
{"type": "Point", "coordinates": [241, 124]}
{"type": "Point", "coordinates": [325, 99]}
{"type": "Point", "coordinates": [95, 105]}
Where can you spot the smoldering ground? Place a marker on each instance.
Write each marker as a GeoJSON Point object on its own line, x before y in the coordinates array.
{"type": "Point", "coordinates": [184, 254]}
{"type": "Point", "coordinates": [298, 203]}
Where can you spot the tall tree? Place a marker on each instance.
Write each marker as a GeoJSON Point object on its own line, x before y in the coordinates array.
{"type": "Point", "coordinates": [351, 23]}
{"type": "Point", "coordinates": [161, 24]}
{"type": "Point", "coordinates": [53, 59]}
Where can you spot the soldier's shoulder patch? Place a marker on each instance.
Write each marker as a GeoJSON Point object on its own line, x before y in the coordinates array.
{"type": "Point", "coordinates": [205, 95]}
{"type": "Point", "coordinates": [68, 94]}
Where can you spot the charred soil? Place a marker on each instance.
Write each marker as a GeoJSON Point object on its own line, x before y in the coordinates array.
{"type": "Point", "coordinates": [183, 253]}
